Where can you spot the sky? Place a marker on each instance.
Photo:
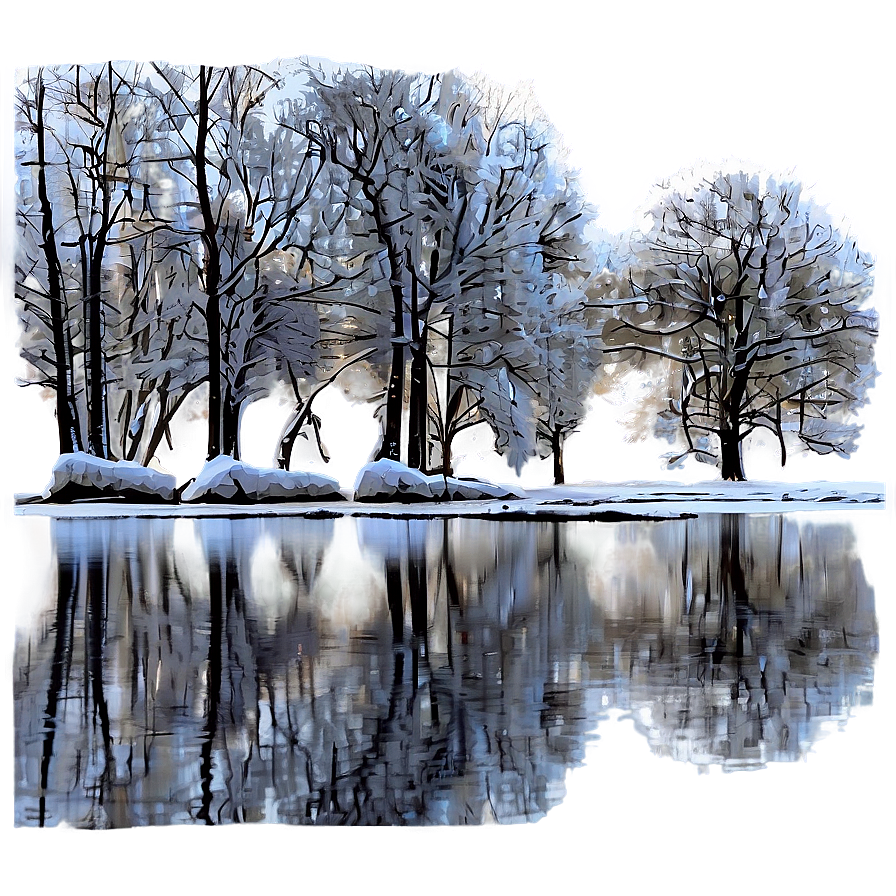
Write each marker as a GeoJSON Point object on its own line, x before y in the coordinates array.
{"type": "Point", "coordinates": [638, 91]}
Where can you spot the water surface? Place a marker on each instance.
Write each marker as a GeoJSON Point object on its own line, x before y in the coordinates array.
{"type": "Point", "coordinates": [371, 671]}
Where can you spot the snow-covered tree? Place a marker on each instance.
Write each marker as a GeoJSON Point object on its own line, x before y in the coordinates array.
{"type": "Point", "coordinates": [46, 314]}
{"type": "Point", "coordinates": [342, 297]}
{"type": "Point", "coordinates": [468, 196]}
{"type": "Point", "coordinates": [245, 186]}
{"type": "Point", "coordinates": [517, 241]}
{"type": "Point", "coordinates": [159, 350]}
{"type": "Point", "coordinates": [384, 129]}
{"type": "Point", "coordinates": [283, 227]}
{"type": "Point", "coordinates": [762, 303]}
{"type": "Point", "coordinates": [570, 357]}
{"type": "Point", "coordinates": [85, 133]}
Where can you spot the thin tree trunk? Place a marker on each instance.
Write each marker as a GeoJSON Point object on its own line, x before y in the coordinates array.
{"type": "Point", "coordinates": [97, 412]}
{"type": "Point", "coordinates": [162, 424]}
{"type": "Point", "coordinates": [129, 449]}
{"type": "Point", "coordinates": [230, 435]}
{"type": "Point", "coordinates": [302, 414]}
{"type": "Point", "coordinates": [446, 456]}
{"type": "Point", "coordinates": [391, 446]}
{"type": "Point", "coordinates": [417, 442]}
{"type": "Point", "coordinates": [449, 352]}
{"type": "Point", "coordinates": [212, 270]}
{"type": "Point", "coordinates": [290, 434]}
{"type": "Point", "coordinates": [557, 451]}
{"type": "Point", "coordinates": [418, 404]}
{"type": "Point", "coordinates": [96, 389]}
{"type": "Point", "coordinates": [213, 322]}
{"type": "Point", "coordinates": [66, 408]}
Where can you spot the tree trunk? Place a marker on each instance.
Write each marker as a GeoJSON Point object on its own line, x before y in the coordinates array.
{"type": "Point", "coordinates": [302, 414]}
{"type": "Point", "coordinates": [446, 456]}
{"type": "Point", "coordinates": [230, 429]}
{"type": "Point", "coordinates": [213, 323]}
{"type": "Point", "coordinates": [391, 446]}
{"type": "Point", "coordinates": [290, 434]}
{"type": "Point", "coordinates": [161, 425]}
{"type": "Point", "coordinates": [300, 417]}
{"type": "Point", "coordinates": [212, 270]}
{"type": "Point", "coordinates": [418, 404]}
{"type": "Point", "coordinates": [97, 410]}
{"type": "Point", "coordinates": [66, 408]}
{"type": "Point", "coordinates": [557, 451]}
{"type": "Point", "coordinates": [732, 462]}
{"type": "Point", "coordinates": [96, 391]}
{"type": "Point", "coordinates": [130, 448]}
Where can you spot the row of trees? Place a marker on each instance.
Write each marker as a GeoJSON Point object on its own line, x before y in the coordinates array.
{"type": "Point", "coordinates": [250, 229]}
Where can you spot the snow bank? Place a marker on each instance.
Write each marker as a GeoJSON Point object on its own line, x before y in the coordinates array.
{"type": "Point", "coordinates": [229, 481]}
{"type": "Point", "coordinates": [81, 476]}
{"type": "Point", "coordinates": [387, 480]}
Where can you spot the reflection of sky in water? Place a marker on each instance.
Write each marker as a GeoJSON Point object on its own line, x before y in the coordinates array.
{"type": "Point", "coordinates": [406, 672]}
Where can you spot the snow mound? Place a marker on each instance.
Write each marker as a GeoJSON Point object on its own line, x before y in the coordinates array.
{"type": "Point", "coordinates": [387, 480]}
{"type": "Point", "coordinates": [228, 481]}
{"type": "Point", "coordinates": [81, 476]}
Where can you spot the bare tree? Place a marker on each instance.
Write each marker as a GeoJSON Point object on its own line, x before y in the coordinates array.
{"type": "Point", "coordinates": [160, 345]}
{"type": "Point", "coordinates": [92, 131]}
{"type": "Point", "coordinates": [246, 189]}
{"type": "Point", "coordinates": [760, 301]}
{"type": "Point", "coordinates": [518, 245]}
{"type": "Point", "coordinates": [375, 124]}
{"type": "Point", "coordinates": [40, 283]}
{"type": "Point", "coordinates": [473, 202]}
{"type": "Point", "coordinates": [570, 357]}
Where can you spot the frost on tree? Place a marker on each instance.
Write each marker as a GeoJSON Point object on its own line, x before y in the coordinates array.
{"type": "Point", "coordinates": [84, 135]}
{"type": "Point", "coordinates": [474, 214]}
{"type": "Point", "coordinates": [255, 228]}
{"type": "Point", "coordinates": [760, 302]}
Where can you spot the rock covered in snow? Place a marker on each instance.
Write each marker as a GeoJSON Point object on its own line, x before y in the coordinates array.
{"type": "Point", "coordinates": [81, 476]}
{"type": "Point", "coordinates": [229, 481]}
{"type": "Point", "coordinates": [388, 480]}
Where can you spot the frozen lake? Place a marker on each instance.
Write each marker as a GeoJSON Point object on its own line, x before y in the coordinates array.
{"type": "Point", "coordinates": [396, 671]}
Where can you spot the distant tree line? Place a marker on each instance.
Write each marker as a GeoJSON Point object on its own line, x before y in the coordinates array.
{"type": "Point", "coordinates": [253, 229]}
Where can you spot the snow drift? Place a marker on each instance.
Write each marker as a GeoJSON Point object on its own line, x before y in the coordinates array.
{"type": "Point", "coordinates": [81, 476]}
{"type": "Point", "coordinates": [228, 481]}
{"type": "Point", "coordinates": [387, 480]}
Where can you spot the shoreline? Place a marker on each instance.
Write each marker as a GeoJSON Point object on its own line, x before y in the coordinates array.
{"type": "Point", "coordinates": [598, 502]}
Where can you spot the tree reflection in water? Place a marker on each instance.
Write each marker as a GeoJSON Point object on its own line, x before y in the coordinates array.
{"type": "Point", "coordinates": [377, 671]}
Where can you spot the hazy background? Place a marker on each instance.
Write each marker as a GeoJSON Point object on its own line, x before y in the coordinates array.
{"type": "Point", "coordinates": [637, 92]}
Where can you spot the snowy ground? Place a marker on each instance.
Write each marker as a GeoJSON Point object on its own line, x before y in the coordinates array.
{"type": "Point", "coordinates": [653, 500]}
